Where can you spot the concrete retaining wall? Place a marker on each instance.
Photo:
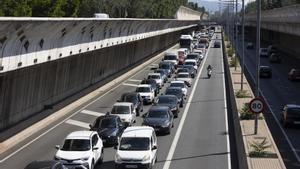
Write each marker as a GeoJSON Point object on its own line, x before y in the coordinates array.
{"type": "Point", "coordinates": [26, 91]}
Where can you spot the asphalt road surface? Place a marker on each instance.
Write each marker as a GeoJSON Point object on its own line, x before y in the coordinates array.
{"type": "Point", "coordinates": [199, 137]}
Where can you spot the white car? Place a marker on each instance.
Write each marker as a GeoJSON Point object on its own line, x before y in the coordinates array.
{"type": "Point", "coordinates": [192, 62]}
{"type": "Point", "coordinates": [263, 52]}
{"type": "Point", "coordinates": [158, 78]}
{"type": "Point", "coordinates": [146, 92]}
{"type": "Point", "coordinates": [185, 77]}
{"type": "Point", "coordinates": [82, 149]}
{"type": "Point", "coordinates": [126, 112]}
{"type": "Point", "coordinates": [137, 148]}
{"type": "Point", "coordinates": [180, 84]}
{"type": "Point", "coordinates": [171, 57]}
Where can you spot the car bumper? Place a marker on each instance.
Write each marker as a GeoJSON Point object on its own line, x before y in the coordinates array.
{"type": "Point", "coordinates": [132, 165]}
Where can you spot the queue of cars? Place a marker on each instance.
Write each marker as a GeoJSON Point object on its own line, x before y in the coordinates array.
{"type": "Point", "coordinates": [136, 146]}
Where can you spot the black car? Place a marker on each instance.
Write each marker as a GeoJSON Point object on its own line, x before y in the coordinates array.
{"type": "Point", "coordinates": [265, 72]}
{"type": "Point", "coordinates": [163, 74]}
{"type": "Point", "coordinates": [45, 164]}
{"type": "Point", "coordinates": [191, 68]}
{"type": "Point", "coordinates": [176, 91]}
{"type": "Point", "coordinates": [153, 84]}
{"type": "Point", "coordinates": [195, 56]}
{"type": "Point", "coordinates": [290, 115]}
{"type": "Point", "coordinates": [134, 98]}
{"type": "Point", "coordinates": [275, 58]}
{"type": "Point", "coordinates": [169, 67]}
{"type": "Point", "coordinates": [109, 128]}
{"type": "Point", "coordinates": [217, 44]}
{"type": "Point", "coordinates": [160, 118]}
{"type": "Point", "coordinates": [171, 101]}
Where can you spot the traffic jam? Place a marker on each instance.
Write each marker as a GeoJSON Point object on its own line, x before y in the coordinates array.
{"type": "Point", "coordinates": [164, 91]}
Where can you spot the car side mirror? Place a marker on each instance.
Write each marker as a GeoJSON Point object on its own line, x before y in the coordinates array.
{"type": "Point", "coordinates": [154, 147]}
{"type": "Point", "coordinates": [90, 126]}
{"type": "Point", "coordinates": [57, 147]}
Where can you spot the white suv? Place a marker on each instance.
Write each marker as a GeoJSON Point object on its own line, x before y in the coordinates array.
{"type": "Point", "coordinates": [158, 79]}
{"type": "Point", "coordinates": [126, 112]}
{"type": "Point", "coordinates": [137, 148]}
{"type": "Point", "coordinates": [81, 149]}
{"type": "Point", "coordinates": [146, 92]}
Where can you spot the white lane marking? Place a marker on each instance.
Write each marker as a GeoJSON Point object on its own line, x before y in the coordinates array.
{"type": "Point", "coordinates": [78, 123]}
{"type": "Point", "coordinates": [182, 120]}
{"type": "Point", "coordinates": [92, 113]}
{"type": "Point", "coordinates": [278, 123]}
{"type": "Point", "coordinates": [134, 80]}
{"type": "Point", "coordinates": [129, 84]}
{"type": "Point", "coordinates": [46, 132]}
{"type": "Point", "coordinates": [226, 112]}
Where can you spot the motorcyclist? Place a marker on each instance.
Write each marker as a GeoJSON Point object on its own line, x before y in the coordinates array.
{"type": "Point", "coordinates": [209, 67]}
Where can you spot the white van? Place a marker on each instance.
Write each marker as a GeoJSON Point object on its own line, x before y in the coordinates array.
{"type": "Point", "coordinates": [137, 148]}
{"type": "Point", "coordinates": [126, 112]}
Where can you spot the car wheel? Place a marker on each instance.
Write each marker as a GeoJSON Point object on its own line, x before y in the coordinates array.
{"type": "Point", "coordinates": [172, 124]}
{"type": "Point", "coordinates": [181, 103]}
{"type": "Point", "coordinates": [169, 131]}
{"type": "Point", "coordinates": [101, 157]}
{"type": "Point", "coordinates": [137, 112]}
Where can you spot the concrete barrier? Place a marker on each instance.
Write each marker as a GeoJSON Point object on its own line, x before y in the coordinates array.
{"type": "Point", "coordinates": [184, 13]}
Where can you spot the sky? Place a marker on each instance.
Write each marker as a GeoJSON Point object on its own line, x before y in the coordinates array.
{"type": "Point", "coordinates": [212, 5]}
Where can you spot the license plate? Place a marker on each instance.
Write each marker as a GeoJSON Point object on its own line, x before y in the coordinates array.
{"type": "Point", "coordinates": [131, 166]}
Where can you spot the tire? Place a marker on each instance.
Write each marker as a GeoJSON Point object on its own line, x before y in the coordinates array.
{"type": "Point", "coordinates": [137, 112]}
{"type": "Point", "coordinates": [100, 161]}
{"type": "Point", "coordinates": [181, 103]}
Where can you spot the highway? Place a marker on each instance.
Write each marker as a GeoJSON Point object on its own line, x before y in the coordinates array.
{"type": "Point", "coordinates": [277, 92]}
{"type": "Point", "coordinates": [199, 137]}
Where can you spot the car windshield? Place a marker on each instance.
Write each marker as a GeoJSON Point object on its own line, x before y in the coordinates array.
{"type": "Point", "coordinates": [201, 46]}
{"type": "Point", "coordinates": [143, 89]}
{"type": "Point", "coordinates": [177, 85]}
{"type": "Point", "coordinates": [129, 98]}
{"type": "Point", "coordinates": [164, 66]}
{"type": "Point", "coordinates": [295, 111]}
{"type": "Point", "coordinates": [160, 71]}
{"type": "Point", "coordinates": [157, 114]}
{"type": "Point", "coordinates": [107, 123]}
{"type": "Point", "coordinates": [166, 100]}
{"type": "Point", "coordinates": [134, 144]}
{"type": "Point", "coordinates": [170, 57]}
{"type": "Point", "coordinates": [190, 63]}
{"type": "Point", "coordinates": [182, 70]}
{"type": "Point", "coordinates": [153, 77]}
{"type": "Point", "coordinates": [191, 57]}
{"type": "Point", "coordinates": [76, 145]}
{"type": "Point", "coordinates": [182, 75]}
{"type": "Point", "coordinates": [173, 92]}
{"type": "Point", "coordinates": [120, 110]}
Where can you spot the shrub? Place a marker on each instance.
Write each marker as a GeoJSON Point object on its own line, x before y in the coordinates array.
{"type": "Point", "coordinates": [233, 62]}
{"type": "Point", "coordinates": [230, 52]}
{"type": "Point", "coordinates": [245, 113]}
{"type": "Point", "coordinates": [242, 94]}
{"type": "Point", "coordinates": [259, 148]}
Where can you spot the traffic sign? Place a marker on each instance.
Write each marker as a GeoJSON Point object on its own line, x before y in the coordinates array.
{"type": "Point", "coordinates": [256, 105]}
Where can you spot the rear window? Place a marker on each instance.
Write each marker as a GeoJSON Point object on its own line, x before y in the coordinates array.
{"type": "Point", "coordinates": [143, 89]}
{"type": "Point", "coordinates": [170, 57]}
{"type": "Point", "coordinates": [120, 110]}
{"type": "Point", "coordinates": [295, 111]}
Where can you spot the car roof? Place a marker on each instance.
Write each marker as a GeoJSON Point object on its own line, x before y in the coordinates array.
{"type": "Point", "coordinates": [178, 88]}
{"type": "Point", "coordinates": [177, 81]}
{"type": "Point", "coordinates": [190, 60]}
{"type": "Point", "coordinates": [144, 85]}
{"type": "Point", "coordinates": [80, 135]}
{"type": "Point", "coordinates": [123, 104]}
{"type": "Point", "coordinates": [158, 74]}
{"type": "Point", "coordinates": [166, 95]}
{"type": "Point", "coordinates": [40, 164]}
{"type": "Point", "coordinates": [107, 116]}
{"type": "Point", "coordinates": [293, 106]}
{"type": "Point", "coordinates": [138, 131]}
{"type": "Point", "coordinates": [264, 67]}
{"type": "Point", "coordinates": [183, 73]}
{"type": "Point", "coordinates": [160, 108]}
{"type": "Point", "coordinates": [129, 93]}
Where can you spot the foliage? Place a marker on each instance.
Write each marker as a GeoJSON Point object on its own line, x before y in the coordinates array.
{"type": "Point", "coordinates": [230, 52]}
{"type": "Point", "coordinates": [245, 113]}
{"type": "Point", "coordinates": [242, 94]}
{"type": "Point", "coordinates": [87, 8]}
{"type": "Point", "coordinates": [270, 4]}
{"type": "Point", "coordinates": [259, 148]}
{"type": "Point", "coordinates": [195, 7]}
{"type": "Point", "coordinates": [234, 62]}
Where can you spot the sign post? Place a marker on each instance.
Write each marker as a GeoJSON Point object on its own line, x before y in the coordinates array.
{"type": "Point", "coordinates": [256, 107]}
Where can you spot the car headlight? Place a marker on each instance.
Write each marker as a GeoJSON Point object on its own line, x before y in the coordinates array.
{"type": "Point", "coordinates": [118, 158]}
{"type": "Point", "coordinates": [84, 159]}
{"type": "Point", "coordinates": [166, 124]}
{"type": "Point", "coordinates": [146, 158]}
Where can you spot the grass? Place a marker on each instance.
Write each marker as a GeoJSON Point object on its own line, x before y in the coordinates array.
{"type": "Point", "coordinates": [245, 113]}
{"type": "Point", "coordinates": [242, 94]}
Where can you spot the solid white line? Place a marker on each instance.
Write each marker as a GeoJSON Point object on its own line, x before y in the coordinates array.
{"type": "Point", "coordinates": [92, 113]}
{"type": "Point", "coordinates": [182, 120]}
{"type": "Point", "coordinates": [78, 123]}
{"type": "Point", "coordinates": [46, 132]}
{"type": "Point", "coordinates": [128, 84]}
{"type": "Point", "coordinates": [278, 123]}
{"type": "Point", "coordinates": [226, 113]}
{"type": "Point", "coordinates": [134, 80]}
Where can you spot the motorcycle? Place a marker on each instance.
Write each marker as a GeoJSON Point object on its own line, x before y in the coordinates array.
{"type": "Point", "coordinates": [209, 71]}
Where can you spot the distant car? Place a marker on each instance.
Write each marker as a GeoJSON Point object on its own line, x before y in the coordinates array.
{"type": "Point", "coordinates": [180, 70]}
{"type": "Point", "coordinates": [160, 118]}
{"type": "Point", "coordinates": [180, 84]}
{"type": "Point", "coordinates": [200, 52]}
{"type": "Point", "coordinates": [176, 91]}
{"type": "Point", "coordinates": [201, 47]}
{"type": "Point", "coordinates": [263, 52]}
{"type": "Point", "coordinates": [153, 85]}
{"type": "Point", "coordinates": [272, 49]}
{"type": "Point", "coordinates": [137, 148]}
{"type": "Point", "coordinates": [250, 45]}
{"type": "Point", "coordinates": [171, 101]}
{"type": "Point", "coordinates": [146, 92]}
{"type": "Point", "coordinates": [194, 56]}
{"type": "Point", "coordinates": [168, 67]}
{"type": "Point", "coordinates": [126, 111]}
{"type": "Point", "coordinates": [45, 165]}
{"type": "Point", "coordinates": [163, 74]}
{"type": "Point", "coordinates": [109, 128]}
{"type": "Point", "coordinates": [290, 115]}
{"type": "Point", "coordinates": [157, 77]}
{"type": "Point", "coordinates": [294, 74]}
{"type": "Point", "coordinates": [171, 57]}
{"type": "Point", "coordinates": [134, 98]}
{"type": "Point", "coordinates": [265, 72]}
{"type": "Point", "coordinates": [81, 149]}
{"type": "Point", "coordinates": [217, 44]}
{"type": "Point", "coordinates": [275, 58]}
{"type": "Point", "coordinates": [185, 77]}
{"type": "Point", "coordinates": [191, 62]}
{"type": "Point", "coordinates": [191, 69]}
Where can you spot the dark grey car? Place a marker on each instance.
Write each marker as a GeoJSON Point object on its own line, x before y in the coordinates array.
{"type": "Point", "coordinates": [160, 118]}
{"type": "Point", "coordinates": [171, 101]}
{"type": "Point", "coordinates": [176, 91]}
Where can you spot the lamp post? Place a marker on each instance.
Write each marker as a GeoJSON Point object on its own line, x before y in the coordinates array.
{"type": "Point", "coordinates": [243, 45]}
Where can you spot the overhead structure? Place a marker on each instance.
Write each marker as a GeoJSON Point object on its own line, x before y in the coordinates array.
{"type": "Point", "coordinates": [184, 13]}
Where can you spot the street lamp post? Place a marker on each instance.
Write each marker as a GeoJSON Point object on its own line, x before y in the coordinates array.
{"type": "Point", "coordinates": [243, 44]}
